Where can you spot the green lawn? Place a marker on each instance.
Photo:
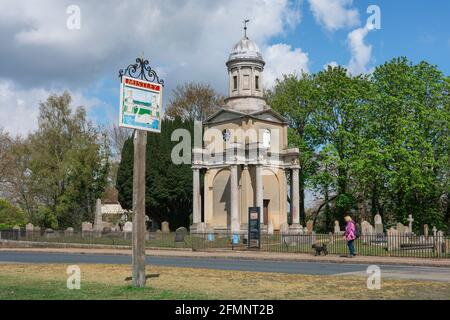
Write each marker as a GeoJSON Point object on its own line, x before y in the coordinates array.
{"type": "Point", "coordinates": [15, 288]}
{"type": "Point", "coordinates": [39, 281]}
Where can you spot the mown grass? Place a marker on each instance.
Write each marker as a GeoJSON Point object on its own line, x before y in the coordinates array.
{"type": "Point", "coordinates": [36, 281]}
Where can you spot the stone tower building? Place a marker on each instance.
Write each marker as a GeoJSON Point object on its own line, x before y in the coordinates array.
{"type": "Point", "coordinates": [244, 160]}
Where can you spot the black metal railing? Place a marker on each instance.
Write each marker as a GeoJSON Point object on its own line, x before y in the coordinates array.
{"type": "Point", "coordinates": [393, 245]}
{"type": "Point", "coordinates": [153, 239]}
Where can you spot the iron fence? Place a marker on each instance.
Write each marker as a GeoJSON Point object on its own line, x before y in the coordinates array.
{"type": "Point", "coordinates": [152, 239]}
{"type": "Point", "coordinates": [394, 245]}
{"type": "Point", "coordinates": [399, 245]}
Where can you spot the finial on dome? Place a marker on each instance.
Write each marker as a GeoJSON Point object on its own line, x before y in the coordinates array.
{"type": "Point", "coordinates": [245, 27]}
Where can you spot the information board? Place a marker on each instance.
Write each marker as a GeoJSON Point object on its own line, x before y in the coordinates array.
{"type": "Point", "coordinates": [254, 227]}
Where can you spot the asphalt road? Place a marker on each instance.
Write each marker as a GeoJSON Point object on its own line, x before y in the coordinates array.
{"type": "Point", "coordinates": [308, 268]}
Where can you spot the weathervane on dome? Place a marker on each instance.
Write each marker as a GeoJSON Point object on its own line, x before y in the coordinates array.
{"type": "Point", "coordinates": [245, 27]}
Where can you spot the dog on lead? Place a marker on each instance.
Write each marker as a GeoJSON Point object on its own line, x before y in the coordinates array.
{"type": "Point", "coordinates": [319, 248]}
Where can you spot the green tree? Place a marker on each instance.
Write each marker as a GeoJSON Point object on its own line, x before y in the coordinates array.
{"type": "Point", "coordinates": [11, 215]}
{"type": "Point", "coordinates": [193, 101]}
{"type": "Point", "coordinates": [295, 98]}
{"type": "Point", "coordinates": [341, 102]}
{"type": "Point", "coordinates": [410, 108]}
{"type": "Point", "coordinates": [168, 186]}
{"type": "Point", "coordinates": [69, 162]}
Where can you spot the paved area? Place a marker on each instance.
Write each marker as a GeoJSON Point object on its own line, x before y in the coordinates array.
{"type": "Point", "coordinates": [283, 266]}
{"type": "Point", "coordinates": [247, 255]}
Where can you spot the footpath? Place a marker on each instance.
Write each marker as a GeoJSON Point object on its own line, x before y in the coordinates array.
{"type": "Point", "coordinates": [24, 246]}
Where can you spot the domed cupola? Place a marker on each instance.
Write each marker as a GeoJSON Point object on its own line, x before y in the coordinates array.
{"type": "Point", "coordinates": [245, 49]}
{"type": "Point", "coordinates": [245, 68]}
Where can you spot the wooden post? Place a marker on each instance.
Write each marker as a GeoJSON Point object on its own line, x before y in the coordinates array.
{"type": "Point", "coordinates": [138, 257]}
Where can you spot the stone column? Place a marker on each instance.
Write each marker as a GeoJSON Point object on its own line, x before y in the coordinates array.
{"type": "Point", "coordinates": [196, 204]}
{"type": "Point", "coordinates": [98, 223]}
{"type": "Point", "coordinates": [260, 191]}
{"type": "Point", "coordinates": [295, 200]}
{"type": "Point", "coordinates": [234, 199]}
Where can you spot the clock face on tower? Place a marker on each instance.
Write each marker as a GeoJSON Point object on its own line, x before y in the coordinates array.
{"type": "Point", "coordinates": [226, 135]}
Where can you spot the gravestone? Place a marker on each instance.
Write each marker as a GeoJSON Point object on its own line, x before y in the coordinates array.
{"type": "Point", "coordinates": [16, 232]}
{"type": "Point", "coordinates": [127, 230]}
{"type": "Point", "coordinates": [98, 222]}
{"type": "Point", "coordinates": [284, 228]}
{"type": "Point", "coordinates": [366, 231]}
{"type": "Point", "coordinates": [49, 233]}
{"type": "Point", "coordinates": [337, 228]}
{"type": "Point", "coordinates": [270, 227]}
{"type": "Point", "coordinates": [393, 239]}
{"type": "Point", "coordinates": [86, 227]}
{"type": "Point", "coordinates": [29, 230]}
{"type": "Point", "coordinates": [309, 226]}
{"type": "Point", "coordinates": [400, 228]}
{"type": "Point", "coordinates": [425, 230]}
{"type": "Point", "coordinates": [165, 227]}
{"type": "Point", "coordinates": [378, 224]}
{"type": "Point", "coordinates": [440, 242]}
{"type": "Point", "coordinates": [128, 227]}
{"type": "Point", "coordinates": [29, 227]}
{"type": "Point", "coordinates": [410, 221]}
{"type": "Point", "coordinates": [180, 235]}
{"type": "Point", "coordinates": [434, 231]}
{"type": "Point", "coordinates": [69, 232]}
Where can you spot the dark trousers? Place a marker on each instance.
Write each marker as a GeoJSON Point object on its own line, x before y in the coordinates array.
{"type": "Point", "coordinates": [351, 247]}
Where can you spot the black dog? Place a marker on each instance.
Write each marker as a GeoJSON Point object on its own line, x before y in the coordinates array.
{"type": "Point", "coordinates": [320, 248]}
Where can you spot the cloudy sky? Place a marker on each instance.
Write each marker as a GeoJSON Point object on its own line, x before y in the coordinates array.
{"type": "Point", "coordinates": [189, 40]}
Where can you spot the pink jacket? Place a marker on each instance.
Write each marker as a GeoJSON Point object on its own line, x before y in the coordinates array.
{"type": "Point", "coordinates": [350, 231]}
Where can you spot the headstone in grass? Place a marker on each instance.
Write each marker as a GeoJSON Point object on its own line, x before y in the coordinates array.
{"type": "Point", "coordinates": [165, 227]}
{"type": "Point", "coordinates": [309, 226]}
{"type": "Point", "coordinates": [378, 224]}
{"type": "Point", "coordinates": [426, 230]}
{"type": "Point", "coordinates": [410, 222]}
{"type": "Point", "coordinates": [180, 235]}
{"type": "Point", "coordinates": [127, 230]}
{"type": "Point", "coordinates": [50, 233]}
{"type": "Point", "coordinates": [366, 231]}
{"type": "Point", "coordinates": [29, 227]}
{"type": "Point", "coordinates": [284, 228]}
{"type": "Point", "coordinates": [29, 230]}
{"type": "Point", "coordinates": [401, 228]}
{"type": "Point", "coordinates": [393, 240]}
{"type": "Point", "coordinates": [128, 227]}
{"type": "Point", "coordinates": [337, 228]}
{"type": "Point", "coordinates": [16, 232]}
{"type": "Point", "coordinates": [270, 227]}
{"type": "Point", "coordinates": [69, 232]}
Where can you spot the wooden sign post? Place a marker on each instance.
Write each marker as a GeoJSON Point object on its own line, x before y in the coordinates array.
{"type": "Point", "coordinates": [138, 256]}
{"type": "Point", "coordinates": [140, 109]}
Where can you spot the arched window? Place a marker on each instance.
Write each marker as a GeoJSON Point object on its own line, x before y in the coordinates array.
{"type": "Point", "coordinates": [266, 138]}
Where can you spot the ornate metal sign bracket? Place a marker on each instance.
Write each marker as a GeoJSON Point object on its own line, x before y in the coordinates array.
{"type": "Point", "coordinates": [141, 70]}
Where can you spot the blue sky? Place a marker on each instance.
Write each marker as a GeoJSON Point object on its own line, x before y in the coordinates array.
{"type": "Point", "coordinates": [190, 41]}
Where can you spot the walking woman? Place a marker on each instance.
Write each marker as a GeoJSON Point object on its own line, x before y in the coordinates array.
{"type": "Point", "coordinates": [350, 235]}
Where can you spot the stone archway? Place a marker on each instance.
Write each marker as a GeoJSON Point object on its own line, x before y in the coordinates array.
{"type": "Point", "coordinates": [221, 199]}
{"type": "Point", "coordinates": [272, 192]}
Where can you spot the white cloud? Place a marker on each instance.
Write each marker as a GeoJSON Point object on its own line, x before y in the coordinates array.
{"type": "Point", "coordinates": [19, 107]}
{"type": "Point", "coordinates": [360, 51]}
{"type": "Point", "coordinates": [334, 14]}
{"type": "Point", "coordinates": [281, 60]}
{"type": "Point", "coordinates": [332, 64]}
{"type": "Point", "coordinates": [185, 40]}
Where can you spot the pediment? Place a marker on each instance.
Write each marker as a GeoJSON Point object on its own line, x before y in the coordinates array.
{"type": "Point", "coordinates": [228, 115]}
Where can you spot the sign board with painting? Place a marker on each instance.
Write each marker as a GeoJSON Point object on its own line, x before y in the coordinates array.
{"type": "Point", "coordinates": [140, 104]}
{"type": "Point", "coordinates": [254, 227]}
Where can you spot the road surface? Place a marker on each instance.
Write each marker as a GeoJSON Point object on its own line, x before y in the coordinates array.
{"type": "Point", "coordinates": [307, 268]}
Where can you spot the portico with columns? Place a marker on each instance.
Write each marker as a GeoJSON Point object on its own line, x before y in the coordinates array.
{"type": "Point", "coordinates": [244, 159]}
